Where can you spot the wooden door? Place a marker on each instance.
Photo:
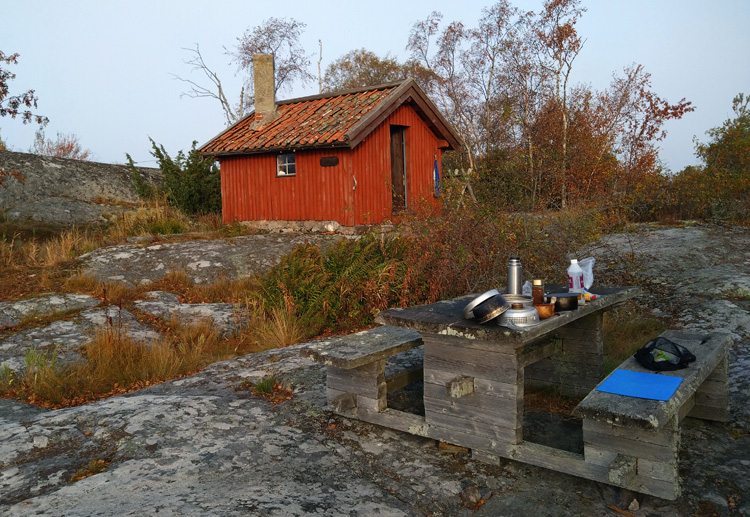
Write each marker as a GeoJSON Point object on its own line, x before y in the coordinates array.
{"type": "Point", "coordinates": [398, 168]}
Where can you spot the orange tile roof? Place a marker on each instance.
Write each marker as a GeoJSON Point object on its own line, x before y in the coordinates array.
{"type": "Point", "coordinates": [319, 121]}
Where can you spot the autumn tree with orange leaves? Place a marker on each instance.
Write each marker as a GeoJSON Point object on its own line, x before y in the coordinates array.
{"type": "Point", "coordinates": [14, 106]}
{"type": "Point", "coordinates": [536, 140]}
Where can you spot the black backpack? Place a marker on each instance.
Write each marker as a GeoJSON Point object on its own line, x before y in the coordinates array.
{"type": "Point", "coordinates": [661, 354]}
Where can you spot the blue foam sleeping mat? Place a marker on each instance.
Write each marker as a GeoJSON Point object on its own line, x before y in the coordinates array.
{"type": "Point", "coordinates": [640, 385]}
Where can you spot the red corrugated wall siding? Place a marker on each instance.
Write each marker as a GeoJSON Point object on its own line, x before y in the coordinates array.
{"type": "Point", "coordinates": [251, 191]}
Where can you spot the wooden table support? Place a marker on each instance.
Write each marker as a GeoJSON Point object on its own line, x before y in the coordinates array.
{"type": "Point", "coordinates": [355, 367]}
{"type": "Point", "coordinates": [576, 368]}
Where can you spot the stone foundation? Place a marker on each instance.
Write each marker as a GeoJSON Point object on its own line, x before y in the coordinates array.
{"type": "Point", "coordinates": [314, 227]}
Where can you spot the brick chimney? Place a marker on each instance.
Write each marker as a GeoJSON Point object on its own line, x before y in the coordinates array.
{"type": "Point", "coordinates": [265, 89]}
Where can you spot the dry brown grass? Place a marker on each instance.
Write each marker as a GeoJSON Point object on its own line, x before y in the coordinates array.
{"type": "Point", "coordinates": [8, 250]}
{"type": "Point", "coordinates": [113, 292]}
{"type": "Point", "coordinates": [29, 249]}
{"type": "Point", "coordinates": [549, 401]}
{"type": "Point", "coordinates": [21, 245]}
{"type": "Point", "coordinates": [67, 246]}
{"type": "Point", "coordinates": [49, 253]}
{"type": "Point", "coordinates": [41, 320]}
{"type": "Point", "coordinates": [114, 363]}
{"type": "Point", "coordinates": [34, 262]}
{"type": "Point", "coordinates": [95, 466]}
{"type": "Point", "coordinates": [154, 217]}
{"type": "Point", "coordinates": [626, 329]}
{"type": "Point", "coordinates": [223, 289]}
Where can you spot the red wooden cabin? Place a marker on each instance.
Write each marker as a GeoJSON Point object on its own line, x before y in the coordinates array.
{"type": "Point", "coordinates": [355, 157]}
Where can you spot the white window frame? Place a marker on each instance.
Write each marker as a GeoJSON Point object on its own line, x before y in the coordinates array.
{"type": "Point", "coordinates": [284, 164]}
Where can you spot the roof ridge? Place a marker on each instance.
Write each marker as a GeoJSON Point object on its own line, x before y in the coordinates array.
{"type": "Point", "coordinates": [341, 93]}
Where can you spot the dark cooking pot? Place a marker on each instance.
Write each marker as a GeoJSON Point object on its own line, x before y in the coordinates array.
{"type": "Point", "coordinates": [490, 309]}
{"type": "Point", "coordinates": [563, 301]}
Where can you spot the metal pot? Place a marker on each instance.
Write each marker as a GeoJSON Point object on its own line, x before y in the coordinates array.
{"type": "Point", "coordinates": [563, 301]}
{"type": "Point", "coordinates": [469, 309]}
{"type": "Point", "coordinates": [526, 301]}
{"type": "Point", "coordinates": [489, 308]}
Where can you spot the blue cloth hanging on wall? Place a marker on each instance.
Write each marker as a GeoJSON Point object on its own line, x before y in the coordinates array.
{"type": "Point", "coordinates": [437, 180]}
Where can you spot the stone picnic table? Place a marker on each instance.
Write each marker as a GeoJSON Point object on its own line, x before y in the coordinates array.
{"type": "Point", "coordinates": [474, 376]}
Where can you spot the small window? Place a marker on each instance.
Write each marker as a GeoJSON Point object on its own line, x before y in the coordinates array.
{"type": "Point", "coordinates": [285, 165]}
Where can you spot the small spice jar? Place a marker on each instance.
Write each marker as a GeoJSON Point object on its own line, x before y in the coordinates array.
{"type": "Point", "coordinates": [537, 291]}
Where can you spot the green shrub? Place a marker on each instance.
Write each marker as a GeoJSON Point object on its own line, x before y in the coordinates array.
{"type": "Point", "coordinates": [191, 183]}
{"type": "Point", "coordinates": [167, 227]}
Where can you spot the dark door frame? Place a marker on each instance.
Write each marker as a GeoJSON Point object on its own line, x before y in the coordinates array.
{"type": "Point", "coordinates": [398, 169]}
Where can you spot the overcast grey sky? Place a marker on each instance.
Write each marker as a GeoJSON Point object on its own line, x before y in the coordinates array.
{"type": "Point", "coordinates": [102, 69]}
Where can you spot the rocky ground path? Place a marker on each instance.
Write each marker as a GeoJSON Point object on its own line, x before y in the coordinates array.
{"type": "Point", "coordinates": [203, 446]}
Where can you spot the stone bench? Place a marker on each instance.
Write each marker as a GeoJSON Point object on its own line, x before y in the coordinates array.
{"type": "Point", "coordinates": [355, 367]}
{"type": "Point", "coordinates": [637, 440]}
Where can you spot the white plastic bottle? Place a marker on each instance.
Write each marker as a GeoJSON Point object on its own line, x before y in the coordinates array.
{"type": "Point", "coordinates": [575, 277]}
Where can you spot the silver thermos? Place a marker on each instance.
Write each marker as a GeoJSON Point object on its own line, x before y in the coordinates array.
{"type": "Point", "coordinates": [515, 276]}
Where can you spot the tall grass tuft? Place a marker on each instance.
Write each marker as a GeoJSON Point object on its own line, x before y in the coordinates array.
{"type": "Point", "coordinates": [67, 246]}
{"type": "Point", "coordinates": [43, 379]}
{"type": "Point", "coordinates": [152, 218]}
{"type": "Point", "coordinates": [275, 328]}
{"type": "Point", "coordinates": [8, 251]}
{"type": "Point", "coordinates": [49, 253]}
{"type": "Point", "coordinates": [114, 292]}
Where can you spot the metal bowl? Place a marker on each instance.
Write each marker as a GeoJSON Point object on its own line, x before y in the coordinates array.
{"type": "Point", "coordinates": [469, 309]}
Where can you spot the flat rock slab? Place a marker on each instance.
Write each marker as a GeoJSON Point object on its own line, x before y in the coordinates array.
{"type": "Point", "coordinates": [204, 261]}
{"type": "Point", "coordinates": [200, 446]}
{"type": "Point", "coordinates": [228, 318]}
{"type": "Point", "coordinates": [699, 274]}
{"type": "Point", "coordinates": [63, 210]}
{"type": "Point", "coordinates": [66, 337]}
{"type": "Point", "coordinates": [12, 312]}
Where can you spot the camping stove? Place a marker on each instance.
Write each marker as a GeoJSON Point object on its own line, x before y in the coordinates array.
{"type": "Point", "coordinates": [520, 316]}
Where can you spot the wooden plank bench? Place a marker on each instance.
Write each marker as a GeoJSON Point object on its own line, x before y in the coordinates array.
{"type": "Point", "coordinates": [355, 367]}
{"type": "Point", "coordinates": [637, 440]}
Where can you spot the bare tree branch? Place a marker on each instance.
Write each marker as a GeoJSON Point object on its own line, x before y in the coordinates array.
{"type": "Point", "coordinates": [215, 91]}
